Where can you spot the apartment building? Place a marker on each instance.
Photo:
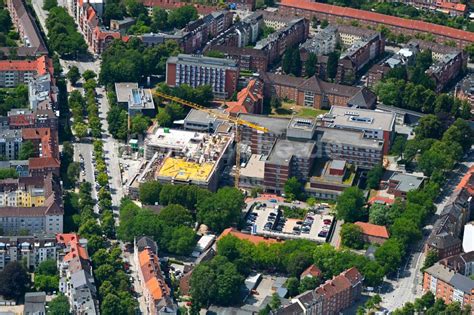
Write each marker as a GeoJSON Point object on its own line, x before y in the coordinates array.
{"type": "Point", "coordinates": [262, 142]}
{"type": "Point", "coordinates": [76, 278]}
{"type": "Point", "coordinates": [44, 140]}
{"type": "Point", "coordinates": [247, 58]}
{"type": "Point", "coordinates": [24, 191]}
{"type": "Point", "coordinates": [15, 72]}
{"type": "Point", "coordinates": [448, 285]}
{"type": "Point", "coordinates": [277, 43]}
{"type": "Point", "coordinates": [465, 90]}
{"type": "Point", "coordinates": [155, 290]}
{"type": "Point", "coordinates": [330, 298]}
{"type": "Point", "coordinates": [462, 263]}
{"type": "Point", "coordinates": [374, 124]}
{"type": "Point", "coordinates": [221, 74]}
{"type": "Point", "coordinates": [42, 94]}
{"type": "Point", "coordinates": [313, 92]}
{"type": "Point", "coordinates": [445, 236]}
{"type": "Point", "coordinates": [19, 118]}
{"type": "Point", "coordinates": [323, 43]}
{"type": "Point", "coordinates": [29, 32]}
{"type": "Point", "coordinates": [10, 143]}
{"type": "Point", "coordinates": [31, 249]}
{"type": "Point", "coordinates": [332, 13]}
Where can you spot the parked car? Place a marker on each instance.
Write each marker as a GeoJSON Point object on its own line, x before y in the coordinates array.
{"type": "Point", "coordinates": [327, 221]}
{"type": "Point", "coordinates": [323, 234]}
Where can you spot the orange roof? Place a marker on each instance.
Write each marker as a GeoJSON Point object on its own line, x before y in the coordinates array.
{"type": "Point", "coordinates": [380, 18]}
{"type": "Point", "coordinates": [251, 238]}
{"type": "Point", "coordinates": [154, 288]}
{"type": "Point", "coordinates": [72, 241]}
{"type": "Point", "coordinates": [246, 98]}
{"type": "Point", "coordinates": [373, 229]}
{"type": "Point", "coordinates": [312, 271]}
{"type": "Point", "coordinates": [43, 162]}
{"type": "Point", "coordinates": [66, 238]}
{"type": "Point", "coordinates": [466, 180]}
{"type": "Point", "coordinates": [451, 6]}
{"type": "Point", "coordinates": [385, 200]}
{"type": "Point", "coordinates": [150, 269]}
{"type": "Point", "coordinates": [48, 140]}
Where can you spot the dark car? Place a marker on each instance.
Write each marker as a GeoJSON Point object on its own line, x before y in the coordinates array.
{"type": "Point", "coordinates": [323, 234]}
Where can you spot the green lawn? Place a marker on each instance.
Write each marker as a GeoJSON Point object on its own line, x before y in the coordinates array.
{"type": "Point", "coordinates": [310, 112]}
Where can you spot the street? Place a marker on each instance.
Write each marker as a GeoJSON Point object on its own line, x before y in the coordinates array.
{"type": "Point", "coordinates": [409, 284]}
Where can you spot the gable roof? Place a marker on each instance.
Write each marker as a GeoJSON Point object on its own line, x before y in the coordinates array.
{"type": "Point", "coordinates": [311, 271]}
{"type": "Point", "coordinates": [251, 238]}
{"type": "Point", "coordinates": [373, 229]}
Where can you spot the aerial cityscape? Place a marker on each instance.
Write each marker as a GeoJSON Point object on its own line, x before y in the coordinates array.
{"type": "Point", "coordinates": [236, 157]}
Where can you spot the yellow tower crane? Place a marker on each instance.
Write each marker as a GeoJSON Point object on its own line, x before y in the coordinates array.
{"type": "Point", "coordinates": [237, 121]}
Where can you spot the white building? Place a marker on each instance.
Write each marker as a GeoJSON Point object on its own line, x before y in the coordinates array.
{"type": "Point", "coordinates": [468, 238]}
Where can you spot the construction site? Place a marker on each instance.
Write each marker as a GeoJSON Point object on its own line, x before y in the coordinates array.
{"type": "Point", "coordinates": [183, 157]}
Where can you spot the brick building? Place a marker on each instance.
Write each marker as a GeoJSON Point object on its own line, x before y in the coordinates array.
{"type": "Point", "coordinates": [313, 92]}
{"type": "Point", "coordinates": [448, 285]}
{"type": "Point", "coordinates": [221, 74]}
{"type": "Point", "coordinates": [333, 14]}
{"type": "Point", "coordinates": [249, 99]}
{"type": "Point", "coordinates": [372, 233]}
{"type": "Point", "coordinates": [247, 58]}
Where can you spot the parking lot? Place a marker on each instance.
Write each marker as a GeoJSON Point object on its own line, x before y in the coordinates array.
{"type": "Point", "coordinates": [268, 219]}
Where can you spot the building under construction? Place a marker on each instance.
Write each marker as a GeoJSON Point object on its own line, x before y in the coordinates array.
{"type": "Point", "coordinates": [184, 157]}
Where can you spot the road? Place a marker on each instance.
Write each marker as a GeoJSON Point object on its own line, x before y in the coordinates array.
{"type": "Point", "coordinates": [408, 286]}
{"type": "Point", "coordinates": [40, 13]}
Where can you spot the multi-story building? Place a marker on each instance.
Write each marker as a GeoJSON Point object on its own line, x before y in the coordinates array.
{"type": "Point", "coordinates": [468, 238]}
{"type": "Point", "coordinates": [351, 146]}
{"type": "Point", "coordinates": [14, 72]}
{"type": "Point", "coordinates": [221, 74]}
{"type": "Point", "coordinates": [76, 278]}
{"type": "Point", "coordinates": [277, 43]}
{"type": "Point", "coordinates": [288, 159]}
{"type": "Point", "coordinates": [448, 285]}
{"type": "Point", "coordinates": [10, 143]}
{"type": "Point", "coordinates": [374, 124]}
{"type": "Point", "coordinates": [444, 238]}
{"type": "Point", "coordinates": [24, 191]}
{"type": "Point", "coordinates": [42, 93]}
{"type": "Point", "coordinates": [330, 298]}
{"type": "Point", "coordinates": [155, 290]}
{"type": "Point", "coordinates": [31, 249]}
{"type": "Point", "coordinates": [465, 90]}
{"type": "Point", "coordinates": [134, 99]}
{"type": "Point", "coordinates": [333, 14]}
{"type": "Point", "coordinates": [247, 58]}
{"type": "Point", "coordinates": [44, 140]}
{"type": "Point", "coordinates": [323, 43]}
{"type": "Point", "coordinates": [313, 92]}
{"type": "Point", "coordinates": [249, 99]}
{"type": "Point", "coordinates": [27, 28]}
{"type": "Point", "coordinates": [462, 263]}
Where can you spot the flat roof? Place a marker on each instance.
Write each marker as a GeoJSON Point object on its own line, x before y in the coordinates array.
{"type": "Point", "coordinates": [407, 182]}
{"type": "Point", "coordinates": [255, 167]}
{"type": "Point", "coordinates": [273, 124]}
{"type": "Point", "coordinates": [174, 139]}
{"type": "Point", "coordinates": [141, 99]}
{"type": "Point", "coordinates": [203, 61]}
{"type": "Point", "coordinates": [338, 164]}
{"type": "Point", "coordinates": [123, 90]}
{"type": "Point", "coordinates": [284, 150]}
{"type": "Point", "coordinates": [355, 138]}
{"type": "Point", "coordinates": [182, 170]}
{"type": "Point", "coordinates": [361, 118]}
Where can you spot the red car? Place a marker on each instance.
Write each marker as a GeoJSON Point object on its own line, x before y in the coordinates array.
{"type": "Point", "coordinates": [327, 221]}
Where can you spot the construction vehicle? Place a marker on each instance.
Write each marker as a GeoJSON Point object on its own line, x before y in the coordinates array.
{"type": "Point", "coordinates": [235, 120]}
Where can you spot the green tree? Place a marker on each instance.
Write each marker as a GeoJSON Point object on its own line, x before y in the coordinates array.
{"type": "Point", "coordinates": [310, 64]}
{"type": "Point", "coordinates": [351, 236]}
{"type": "Point", "coordinates": [159, 19]}
{"type": "Point", "coordinates": [102, 179]}
{"type": "Point", "coordinates": [89, 75]}
{"type": "Point", "coordinates": [430, 259]}
{"type": "Point", "coordinates": [292, 285]}
{"type": "Point", "coordinates": [275, 102]}
{"type": "Point", "coordinates": [111, 305]}
{"type": "Point", "coordinates": [374, 176]}
{"type": "Point", "coordinates": [14, 281]}
{"type": "Point", "coordinates": [216, 282]}
{"type": "Point", "coordinates": [429, 126]}
{"type": "Point", "coordinates": [178, 18]}
{"type": "Point", "coordinates": [47, 267]}
{"type": "Point", "coordinates": [59, 305]}
{"type": "Point", "coordinates": [275, 302]}
{"type": "Point", "coordinates": [221, 210]}
{"type": "Point", "coordinates": [149, 192]}
{"type": "Point", "coordinates": [398, 146]}
{"type": "Point", "coordinates": [49, 4]}
{"type": "Point", "coordinates": [349, 204]}
{"type": "Point", "coordinates": [293, 189]}
{"type": "Point", "coordinates": [390, 254]}
{"type": "Point", "coordinates": [117, 119]}
{"type": "Point", "coordinates": [46, 283]}
{"type": "Point", "coordinates": [5, 21]}
{"type": "Point", "coordinates": [379, 214]}
{"type": "Point", "coordinates": [27, 150]}
{"type": "Point", "coordinates": [140, 124]}
{"type": "Point", "coordinates": [73, 171]}
{"type": "Point", "coordinates": [308, 283]}
{"type": "Point", "coordinates": [175, 215]}
{"type": "Point", "coordinates": [8, 173]}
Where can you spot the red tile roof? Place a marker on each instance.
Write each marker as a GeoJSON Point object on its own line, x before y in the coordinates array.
{"type": "Point", "coordinates": [43, 162]}
{"type": "Point", "coordinates": [152, 276]}
{"type": "Point", "coordinates": [251, 238]}
{"type": "Point", "coordinates": [373, 229]}
{"type": "Point", "coordinates": [42, 65]}
{"type": "Point", "coordinates": [451, 6]}
{"type": "Point", "coordinates": [71, 240]}
{"type": "Point", "coordinates": [380, 18]}
{"type": "Point", "coordinates": [247, 98]}
{"type": "Point", "coordinates": [311, 271]}
{"type": "Point", "coordinates": [340, 283]}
